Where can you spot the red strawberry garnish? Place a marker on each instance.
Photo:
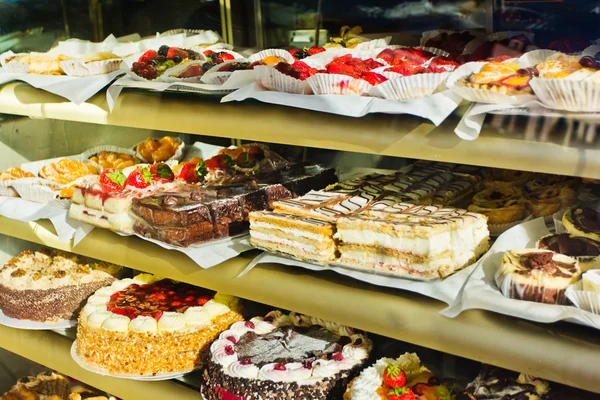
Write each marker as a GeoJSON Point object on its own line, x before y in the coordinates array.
{"type": "Point", "coordinates": [442, 64]}
{"type": "Point", "coordinates": [176, 304]}
{"type": "Point", "coordinates": [337, 356]}
{"type": "Point", "coordinates": [226, 56]}
{"type": "Point", "coordinates": [279, 367]}
{"type": "Point", "coordinates": [372, 64]}
{"type": "Point", "coordinates": [343, 70]}
{"type": "Point", "coordinates": [161, 172]}
{"type": "Point", "coordinates": [249, 324]}
{"type": "Point", "coordinates": [315, 50]}
{"type": "Point", "coordinates": [148, 56]}
{"type": "Point", "coordinates": [189, 299]}
{"type": "Point", "coordinates": [229, 350]}
{"type": "Point", "coordinates": [112, 180]}
{"type": "Point", "coordinates": [219, 162]}
{"type": "Point", "coordinates": [202, 300]}
{"type": "Point", "coordinates": [127, 311]}
{"type": "Point", "coordinates": [177, 52]}
{"type": "Point", "coordinates": [209, 52]}
{"type": "Point", "coordinates": [394, 377]}
{"type": "Point", "coordinates": [373, 78]}
{"type": "Point", "coordinates": [157, 314]}
{"type": "Point", "coordinates": [387, 55]}
{"type": "Point", "coordinates": [255, 63]}
{"type": "Point", "coordinates": [232, 339]}
{"type": "Point", "coordinates": [192, 71]}
{"type": "Point", "coordinates": [158, 296]}
{"type": "Point", "coordinates": [404, 393]}
{"type": "Point", "coordinates": [407, 69]}
{"type": "Point", "coordinates": [140, 178]}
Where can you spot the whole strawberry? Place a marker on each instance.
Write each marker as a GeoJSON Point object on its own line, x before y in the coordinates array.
{"type": "Point", "coordinates": [219, 162]}
{"type": "Point", "coordinates": [175, 53]}
{"type": "Point", "coordinates": [161, 172]}
{"type": "Point", "coordinates": [394, 377]}
{"type": "Point", "coordinates": [404, 393]}
{"type": "Point", "coordinates": [148, 56]}
{"type": "Point", "coordinates": [373, 78]}
{"type": "Point", "coordinates": [112, 180]}
{"type": "Point", "coordinates": [315, 50]}
{"type": "Point", "coordinates": [140, 178]}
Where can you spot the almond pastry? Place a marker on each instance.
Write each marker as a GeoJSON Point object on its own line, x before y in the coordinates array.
{"type": "Point", "coordinates": [15, 173]}
{"type": "Point", "coordinates": [110, 159]}
{"type": "Point", "coordinates": [66, 171]}
{"type": "Point", "coordinates": [153, 150]}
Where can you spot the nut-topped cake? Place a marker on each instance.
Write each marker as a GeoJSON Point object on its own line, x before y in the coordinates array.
{"type": "Point", "coordinates": [147, 326]}
{"type": "Point", "coordinates": [48, 285]}
{"type": "Point", "coordinates": [284, 356]}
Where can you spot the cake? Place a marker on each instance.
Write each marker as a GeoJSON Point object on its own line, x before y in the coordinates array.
{"type": "Point", "coordinates": [283, 356]}
{"type": "Point", "coordinates": [586, 251]}
{"type": "Point", "coordinates": [497, 384]}
{"type": "Point", "coordinates": [45, 386]}
{"type": "Point", "coordinates": [48, 286]}
{"type": "Point", "coordinates": [390, 379]}
{"type": "Point", "coordinates": [536, 275]}
{"type": "Point", "coordinates": [146, 326]}
{"type": "Point", "coordinates": [583, 222]}
{"type": "Point", "coordinates": [302, 237]}
{"type": "Point", "coordinates": [424, 241]}
{"type": "Point", "coordinates": [501, 77]}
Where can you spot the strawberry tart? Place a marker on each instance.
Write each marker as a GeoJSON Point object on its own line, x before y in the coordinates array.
{"type": "Point", "coordinates": [283, 356]}
{"type": "Point", "coordinates": [403, 378]}
{"type": "Point", "coordinates": [146, 326]}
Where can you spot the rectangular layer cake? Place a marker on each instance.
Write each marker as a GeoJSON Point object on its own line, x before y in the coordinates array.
{"type": "Point", "coordinates": [302, 237]}
{"type": "Point", "coordinates": [425, 241]}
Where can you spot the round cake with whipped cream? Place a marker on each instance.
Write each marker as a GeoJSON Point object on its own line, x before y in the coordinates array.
{"type": "Point", "coordinates": [146, 326]}
{"type": "Point", "coordinates": [283, 357]}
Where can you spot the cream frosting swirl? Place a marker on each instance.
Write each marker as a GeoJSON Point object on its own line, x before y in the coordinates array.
{"type": "Point", "coordinates": [143, 324]}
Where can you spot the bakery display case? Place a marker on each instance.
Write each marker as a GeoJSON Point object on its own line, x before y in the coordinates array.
{"type": "Point", "coordinates": [233, 200]}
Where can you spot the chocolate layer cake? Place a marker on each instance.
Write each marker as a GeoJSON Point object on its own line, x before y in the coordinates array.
{"type": "Point", "coordinates": [47, 287]}
{"type": "Point", "coordinates": [536, 275]}
{"type": "Point", "coordinates": [281, 356]}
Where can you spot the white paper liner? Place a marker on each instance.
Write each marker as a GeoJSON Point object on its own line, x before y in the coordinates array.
{"type": "Point", "coordinates": [127, 49]}
{"type": "Point", "coordinates": [86, 155]}
{"type": "Point", "coordinates": [178, 156]}
{"type": "Point", "coordinates": [203, 37]}
{"type": "Point", "coordinates": [498, 229]}
{"type": "Point", "coordinates": [535, 57]}
{"type": "Point", "coordinates": [77, 47]}
{"type": "Point", "coordinates": [374, 44]}
{"type": "Point", "coordinates": [320, 60]}
{"type": "Point", "coordinates": [80, 68]}
{"type": "Point", "coordinates": [7, 190]}
{"type": "Point", "coordinates": [217, 47]}
{"type": "Point", "coordinates": [590, 50]}
{"type": "Point", "coordinates": [202, 150]}
{"type": "Point", "coordinates": [401, 88]}
{"type": "Point", "coordinates": [584, 300]}
{"type": "Point", "coordinates": [214, 77]}
{"type": "Point", "coordinates": [102, 371]}
{"type": "Point", "coordinates": [36, 189]}
{"type": "Point", "coordinates": [567, 94]}
{"type": "Point", "coordinates": [34, 325]}
{"type": "Point", "coordinates": [272, 79]}
{"type": "Point", "coordinates": [14, 67]}
{"type": "Point", "coordinates": [445, 289]}
{"type": "Point", "coordinates": [272, 52]}
{"type": "Point", "coordinates": [482, 95]}
{"type": "Point", "coordinates": [236, 55]}
{"type": "Point", "coordinates": [338, 84]}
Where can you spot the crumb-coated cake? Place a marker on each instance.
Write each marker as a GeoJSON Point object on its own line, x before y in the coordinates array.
{"type": "Point", "coordinates": [147, 326]}
{"type": "Point", "coordinates": [399, 378]}
{"type": "Point", "coordinates": [536, 275]}
{"type": "Point", "coordinates": [283, 356]}
{"type": "Point", "coordinates": [48, 285]}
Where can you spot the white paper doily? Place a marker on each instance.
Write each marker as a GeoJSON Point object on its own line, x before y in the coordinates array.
{"type": "Point", "coordinates": [34, 325]}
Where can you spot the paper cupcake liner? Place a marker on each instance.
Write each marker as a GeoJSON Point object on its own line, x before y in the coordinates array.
{"type": "Point", "coordinates": [569, 95]}
{"type": "Point", "coordinates": [272, 52]}
{"type": "Point", "coordinates": [218, 47]}
{"type": "Point", "coordinates": [338, 84]}
{"type": "Point", "coordinates": [498, 229]}
{"type": "Point", "coordinates": [6, 189]}
{"type": "Point", "coordinates": [272, 79]}
{"type": "Point", "coordinates": [178, 156]}
{"type": "Point", "coordinates": [214, 77]}
{"type": "Point", "coordinates": [584, 300]}
{"type": "Point", "coordinates": [402, 88]}
{"type": "Point", "coordinates": [590, 50]}
{"type": "Point", "coordinates": [36, 189]}
{"type": "Point", "coordinates": [374, 44]}
{"type": "Point", "coordinates": [168, 75]}
{"type": "Point", "coordinates": [535, 57]}
{"type": "Point", "coordinates": [482, 95]}
{"type": "Point", "coordinates": [79, 68]}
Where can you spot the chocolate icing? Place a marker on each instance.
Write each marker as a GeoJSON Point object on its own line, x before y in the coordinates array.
{"type": "Point", "coordinates": [587, 220]}
{"type": "Point", "coordinates": [497, 384]}
{"type": "Point", "coordinates": [573, 246]}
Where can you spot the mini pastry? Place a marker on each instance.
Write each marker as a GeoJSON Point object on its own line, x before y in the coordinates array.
{"type": "Point", "coordinates": [15, 173]}
{"type": "Point", "coordinates": [153, 150]}
{"type": "Point", "coordinates": [586, 251]}
{"type": "Point", "coordinates": [45, 386]}
{"type": "Point", "coordinates": [110, 159]}
{"type": "Point", "coordinates": [548, 200]}
{"type": "Point", "coordinates": [66, 171]}
{"type": "Point", "coordinates": [497, 384]}
{"type": "Point", "coordinates": [46, 64]}
{"type": "Point", "coordinates": [506, 78]}
{"type": "Point", "coordinates": [559, 66]}
{"type": "Point", "coordinates": [536, 275]}
{"type": "Point", "coordinates": [506, 178]}
{"type": "Point", "coordinates": [583, 222]}
{"type": "Point", "coordinates": [153, 64]}
{"type": "Point", "coordinates": [501, 206]}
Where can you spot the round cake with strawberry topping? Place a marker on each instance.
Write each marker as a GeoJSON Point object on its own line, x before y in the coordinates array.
{"type": "Point", "coordinates": [147, 326]}
{"type": "Point", "coordinates": [283, 357]}
{"type": "Point", "coordinates": [403, 378]}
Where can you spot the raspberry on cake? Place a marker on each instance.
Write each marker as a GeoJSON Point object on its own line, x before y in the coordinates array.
{"type": "Point", "coordinates": [390, 379]}
{"type": "Point", "coordinates": [283, 356]}
{"type": "Point", "coordinates": [147, 326]}
{"type": "Point", "coordinates": [48, 286]}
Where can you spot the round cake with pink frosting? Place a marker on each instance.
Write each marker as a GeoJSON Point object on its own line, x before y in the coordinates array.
{"type": "Point", "coordinates": [284, 356]}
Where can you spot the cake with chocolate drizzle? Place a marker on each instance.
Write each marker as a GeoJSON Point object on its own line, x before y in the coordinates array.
{"type": "Point", "coordinates": [284, 356]}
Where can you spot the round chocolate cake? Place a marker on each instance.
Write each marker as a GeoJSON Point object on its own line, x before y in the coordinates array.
{"type": "Point", "coordinates": [283, 357]}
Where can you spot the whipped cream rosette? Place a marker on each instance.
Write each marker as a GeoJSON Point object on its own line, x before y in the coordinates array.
{"type": "Point", "coordinates": [147, 325]}
{"type": "Point", "coordinates": [488, 90]}
{"type": "Point", "coordinates": [284, 356]}
{"type": "Point", "coordinates": [272, 79]}
{"type": "Point", "coordinates": [338, 84]}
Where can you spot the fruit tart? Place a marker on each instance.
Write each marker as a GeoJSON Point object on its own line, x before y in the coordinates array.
{"type": "Point", "coordinates": [405, 55]}
{"type": "Point", "coordinates": [9, 175]}
{"type": "Point", "coordinates": [501, 77]}
{"type": "Point", "coordinates": [163, 149]}
{"type": "Point", "coordinates": [65, 172]}
{"type": "Point", "coordinates": [402, 378]}
{"type": "Point", "coordinates": [301, 54]}
{"type": "Point", "coordinates": [152, 64]}
{"type": "Point", "coordinates": [500, 206]}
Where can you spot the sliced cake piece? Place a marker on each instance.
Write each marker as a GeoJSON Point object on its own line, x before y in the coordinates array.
{"type": "Point", "coordinates": [301, 237]}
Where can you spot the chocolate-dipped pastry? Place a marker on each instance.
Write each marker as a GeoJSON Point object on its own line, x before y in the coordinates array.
{"type": "Point", "coordinates": [173, 209]}
{"type": "Point", "coordinates": [583, 222]}
{"type": "Point", "coordinates": [498, 384]}
{"type": "Point", "coordinates": [536, 275]}
{"type": "Point", "coordinates": [586, 251]}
